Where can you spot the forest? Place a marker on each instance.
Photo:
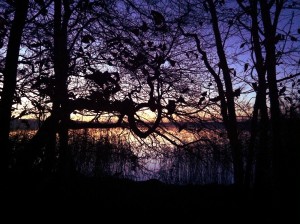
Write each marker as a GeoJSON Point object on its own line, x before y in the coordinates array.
{"type": "Point", "coordinates": [153, 106]}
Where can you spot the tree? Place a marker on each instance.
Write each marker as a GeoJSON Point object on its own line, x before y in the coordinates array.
{"type": "Point", "coordinates": [252, 21]}
{"type": "Point", "coordinates": [226, 94]}
{"type": "Point", "coordinates": [104, 84]}
{"type": "Point", "coordinates": [144, 66]}
{"type": "Point", "coordinates": [259, 105]}
{"type": "Point", "coordinates": [271, 44]}
{"type": "Point", "coordinates": [10, 79]}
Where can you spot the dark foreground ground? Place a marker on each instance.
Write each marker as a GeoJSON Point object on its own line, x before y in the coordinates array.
{"type": "Point", "coordinates": [108, 200]}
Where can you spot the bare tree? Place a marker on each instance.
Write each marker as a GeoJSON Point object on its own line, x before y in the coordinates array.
{"type": "Point", "coordinates": [273, 48]}
{"type": "Point", "coordinates": [226, 94]}
{"type": "Point", "coordinates": [10, 79]}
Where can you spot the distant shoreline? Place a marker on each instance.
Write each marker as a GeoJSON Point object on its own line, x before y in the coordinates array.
{"type": "Point", "coordinates": [33, 124]}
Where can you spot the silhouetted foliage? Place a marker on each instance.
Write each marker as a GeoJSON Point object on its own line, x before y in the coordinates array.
{"type": "Point", "coordinates": [194, 92]}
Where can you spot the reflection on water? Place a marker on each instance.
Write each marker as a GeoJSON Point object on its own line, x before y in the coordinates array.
{"type": "Point", "coordinates": [185, 156]}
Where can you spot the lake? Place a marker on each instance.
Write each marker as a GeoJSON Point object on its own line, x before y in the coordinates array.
{"type": "Point", "coordinates": [185, 154]}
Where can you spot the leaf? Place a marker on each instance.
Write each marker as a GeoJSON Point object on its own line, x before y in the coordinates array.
{"type": "Point", "coordinates": [171, 106]}
{"type": "Point", "coordinates": [215, 99]}
{"type": "Point", "coordinates": [237, 92]}
{"type": "Point", "coordinates": [22, 114]}
{"type": "Point", "coordinates": [47, 43]}
{"type": "Point", "coordinates": [35, 45]}
{"type": "Point", "coordinates": [125, 53]}
{"type": "Point", "coordinates": [158, 18]}
{"type": "Point", "coordinates": [282, 90]}
{"type": "Point", "coordinates": [164, 47]}
{"type": "Point", "coordinates": [152, 104]}
{"type": "Point", "coordinates": [92, 39]}
{"type": "Point", "coordinates": [233, 72]}
{"type": "Point", "coordinates": [150, 43]}
{"type": "Point", "coordinates": [159, 59]}
{"type": "Point", "coordinates": [135, 31]}
{"type": "Point", "coordinates": [87, 39]}
{"type": "Point", "coordinates": [279, 53]}
{"type": "Point", "coordinates": [144, 27]}
{"type": "Point", "coordinates": [180, 100]}
{"type": "Point", "coordinates": [279, 37]}
{"type": "Point", "coordinates": [114, 54]}
{"type": "Point", "coordinates": [246, 67]}
{"type": "Point", "coordinates": [242, 45]}
{"type": "Point", "coordinates": [293, 38]}
{"type": "Point", "coordinates": [172, 62]}
{"type": "Point", "coordinates": [184, 90]}
{"type": "Point", "coordinates": [181, 127]}
{"type": "Point", "coordinates": [201, 100]}
{"type": "Point", "coordinates": [41, 3]}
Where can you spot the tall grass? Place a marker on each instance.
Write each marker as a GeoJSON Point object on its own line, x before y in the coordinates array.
{"type": "Point", "coordinates": [106, 154]}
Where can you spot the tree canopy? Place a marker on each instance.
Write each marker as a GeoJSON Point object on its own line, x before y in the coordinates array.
{"type": "Point", "coordinates": [143, 65]}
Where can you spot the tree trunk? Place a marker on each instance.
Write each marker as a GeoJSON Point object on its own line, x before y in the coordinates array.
{"type": "Point", "coordinates": [26, 158]}
{"type": "Point", "coordinates": [270, 45]}
{"type": "Point", "coordinates": [231, 124]}
{"type": "Point", "coordinates": [263, 157]}
{"type": "Point", "coordinates": [9, 83]}
{"type": "Point", "coordinates": [251, 145]}
{"type": "Point", "coordinates": [61, 64]}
